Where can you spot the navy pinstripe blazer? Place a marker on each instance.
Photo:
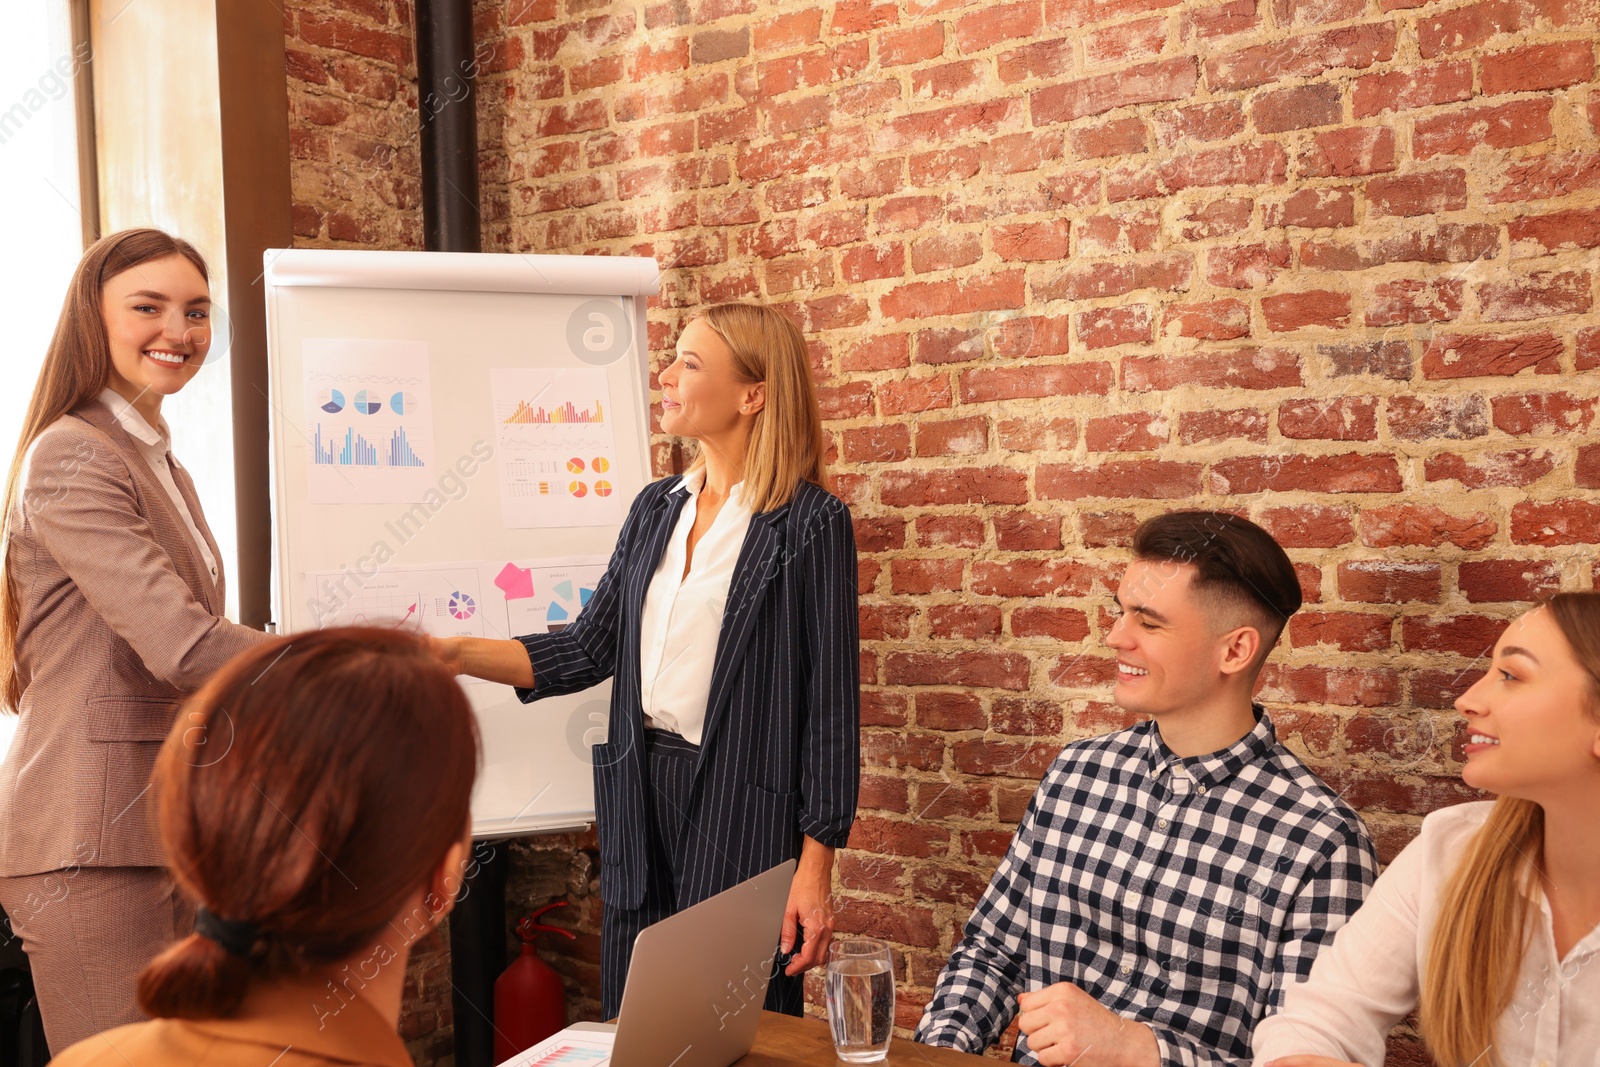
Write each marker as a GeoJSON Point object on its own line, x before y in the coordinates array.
{"type": "Point", "coordinates": [780, 749]}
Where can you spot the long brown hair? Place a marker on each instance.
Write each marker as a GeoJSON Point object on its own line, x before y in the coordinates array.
{"type": "Point", "coordinates": [786, 441]}
{"type": "Point", "coordinates": [77, 366]}
{"type": "Point", "coordinates": [1486, 917]}
{"type": "Point", "coordinates": [309, 788]}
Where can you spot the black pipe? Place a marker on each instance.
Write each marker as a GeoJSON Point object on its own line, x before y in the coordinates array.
{"type": "Point", "coordinates": [447, 106]}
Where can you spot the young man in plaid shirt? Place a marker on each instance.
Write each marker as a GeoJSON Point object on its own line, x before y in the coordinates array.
{"type": "Point", "coordinates": [1168, 881]}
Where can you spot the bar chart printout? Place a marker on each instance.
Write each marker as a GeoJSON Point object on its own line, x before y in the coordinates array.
{"type": "Point", "coordinates": [567, 1048]}
{"type": "Point", "coordinates": [369, 421]}
{"type": "Point", "coordinates": [555, 447]}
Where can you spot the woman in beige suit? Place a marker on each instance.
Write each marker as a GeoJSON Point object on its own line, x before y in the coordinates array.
{"type": "Point", "coordinates": [111, 610]}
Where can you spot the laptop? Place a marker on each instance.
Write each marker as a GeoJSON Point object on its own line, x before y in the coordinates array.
{"type": "Point", "coordinates": [698, 979]}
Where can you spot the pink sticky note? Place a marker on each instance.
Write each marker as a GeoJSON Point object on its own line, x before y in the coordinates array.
{"type": "Point", "coordinates": [516, 581]}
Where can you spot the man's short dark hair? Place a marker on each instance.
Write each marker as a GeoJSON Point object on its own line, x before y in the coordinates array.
{"type": "Point", "coordinates": [1235, 561]}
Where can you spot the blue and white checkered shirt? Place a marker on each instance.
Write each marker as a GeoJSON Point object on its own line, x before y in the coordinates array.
{"type": "Point", "coordinates": [1185, 894]}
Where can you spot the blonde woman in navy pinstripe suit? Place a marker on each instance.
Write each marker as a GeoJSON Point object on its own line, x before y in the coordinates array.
{"type": "Point", "coordinates": [727, 618]}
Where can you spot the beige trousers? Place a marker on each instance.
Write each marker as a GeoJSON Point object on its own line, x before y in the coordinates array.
{"type": "Point", "coordinates": [88, 932]}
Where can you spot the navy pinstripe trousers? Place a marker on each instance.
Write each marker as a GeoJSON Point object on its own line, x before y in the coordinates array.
{"type": "Point", "coordinates": [669, 762]}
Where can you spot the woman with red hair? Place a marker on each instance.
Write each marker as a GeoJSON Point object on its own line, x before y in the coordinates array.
{"type": "Point", "coordinates": [291, 811]}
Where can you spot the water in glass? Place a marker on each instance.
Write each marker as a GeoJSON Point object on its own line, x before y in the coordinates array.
{"type": "Point", "coordinates": [860, 990]}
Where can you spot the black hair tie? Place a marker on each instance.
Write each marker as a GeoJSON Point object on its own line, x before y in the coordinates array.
{"type": "Point", "coordinates": [236, 938]}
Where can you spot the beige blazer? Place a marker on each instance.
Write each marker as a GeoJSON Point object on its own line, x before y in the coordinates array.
{"type": "Point", "coordinates": [296, 1022]}
{"type": "Point", "coordinates": [119, 620]}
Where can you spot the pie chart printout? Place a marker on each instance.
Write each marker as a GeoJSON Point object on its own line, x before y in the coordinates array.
{"type": "Point", "coordinates": [462, 606]}
{"type": "Point", "coordinates": [368, 422]}
{"type": "Point", "coordinates": [569, 597]}
{"type": "Point", "coordinates": [331, 401]}
{"type": "Point", "coordinates": [403, 404]}
{"type": "Point", "coordinates": [368, 405]}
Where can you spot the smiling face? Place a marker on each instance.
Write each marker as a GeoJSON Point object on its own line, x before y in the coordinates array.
{"type": "Point", "coordinates": [158, 323]}
{"type": "Point", "coordinates": [702, 395]}
{"type": "Point", "coordinates": [1175, 651]}
{"type": "Point", "coordinates": [1531, 723]}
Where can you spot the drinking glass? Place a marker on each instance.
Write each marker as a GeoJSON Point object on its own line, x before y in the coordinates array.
{"type": "Point", "coordinates": [860, 990]}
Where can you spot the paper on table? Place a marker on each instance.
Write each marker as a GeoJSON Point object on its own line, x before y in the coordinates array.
{"type": "Point", "coordinates": [568, 1048]}
{"type": "Point", "coordinates": [369, 421]}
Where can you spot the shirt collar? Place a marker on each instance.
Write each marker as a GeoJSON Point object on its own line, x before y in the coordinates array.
{"type": "Point", "coordinates": [132, 421]}
{"type": "Point", "coordinates": [695, 480]}
{"type": "Point", "coordinates": [1216, 768]}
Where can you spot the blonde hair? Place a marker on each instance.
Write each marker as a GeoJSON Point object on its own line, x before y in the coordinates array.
{"type": "Point", "coordinates": [1486, 917]}
{"type": "Point", "coordinates": [786, 441]}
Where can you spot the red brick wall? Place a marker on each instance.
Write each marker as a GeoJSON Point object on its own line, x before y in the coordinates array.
{"type": "Point", "coordinates": [1065, 264]}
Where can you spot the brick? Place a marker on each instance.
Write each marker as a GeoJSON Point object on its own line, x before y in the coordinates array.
{"type": "Point", "coordinates": [793, 29]}
{"type": "Point", "coordinates": [986, 384]}
{"type": "Point", "coordinates": [1109, 327]}
{"type": "Point", "coordinates": [881, 622]}
{"type": "Point", "coordinates": [882, 533]}
{"type": "Point", "coordinates": [1126, 42]}
{"type": "Point", "coordinates": [1481, 355]}
{"type": "Point", "coordinates": [953, 437]}
{"type": "Point", "coordinates": [993, 23]}
{"type": "Point", "coordinates": [1199, 122]}
{"type": "Point", "coordinates": [950, 531]}
{"type": "Point", "coordinates": [1349, 152]}
{"type": "Point", "coordinates": [900, 396]}
{"type": "Point", "coordinates": [1586, 471]}
{"type": "Point", "coordinates": [1247, 266]}
{"type": "Point", "coordinates": [1538, 295]}
{"type": "Point", "coordinates": [1150, 83]}
{"type": "Point", "coordinates": [865, 181]}
{"type": "Point", "coordinates": [1304, 106]}
{"type": "Point", "coordinates": [1468, 27]}
{"type": "Point", "coordinates": [907, 213]}
{"type": "Point", "coordinates": [1465, 635]}
{"type": "Point", "coordinates": [947, 81]}
{"type": "Point", "coordinates": [1543, 413]}
{"type": "Point", "coordinates": [1142, 478]}
{"type": "Point", "coordinates": [1526, 70]}
{"type": "Point", "coordinates": [1205, 427]}
{"type": "Point", "coordinates": [1304, 56]}
{"type": "Point", "coordinates": [861, 16]}
{"type": "Point", "coordinates": [968, 622]}
{"type": "Point", "coordinates": [1514, 467]}
{"type": "Point", "coordinates": [980, 670]}
{"type": "Point", "coordinates": [1512, 125]}
{"type": "Point", "coordinates": [1118, 137]}
{"type": "Point", "coordinates": [1037, 435]}
{"type": "Point", "coordinates": [1508, 580]}
{"type": "Point", "coordinates": [912, 44]}
{"type": "Point", "coordinates": [872, 834]}
{"type": "Point", "coordinates": [1259, 163]}
{"type": "Point", "coordinates": [1042, 59]}
{"type": "Point", "coordinates": [1030, 335]}
{"type": "Point", "coordinates": [1557, 231]}
{"type": "Point", "coordinates": [1341, 631]}
{"type": "Point", "coordinates": [994, 292]}
{"type": "Point", "coordinates": [1408, 525]}
{"type": "Point", "coordinates": [1562, 522]}
{"type": "Point", "coordinates": [1119, 234]}
{"type": "Point", "coordinates": [1410, 300]}
{"type": "Point", "coordinates": [1014, 153]}
{"type": "Point", "coordinates": [715, 46]}
{"type": "Point", "coordinates": [1388, 359]}
{"type": "Point", "coordinates": [1032, 241]}
{"type": "Point", "coordinates": [1445, 417]}
{"type": "Point", "coordinates": [1009, 759]}
{"type": "Point", "coordinates": [885, 443]}
{"type": "Point", "coordinates": [1131, 432]}
{"type": "Point", "coordinates": [1107, 529]}
{"type": "Point", "coordinates": [1296, 311]}
{"type": "Point", "coordinates": [1439, 242]}
{"type": "Point", "coordinates": [1554, 174]}
{"type": "Point", "coordinates": [1309, 526]}
{"type": "Point", "coordinates": [1075, 14]}
{"type": "Point", "coordinates": [864, 263]}
{"type": "Point", "coordinates": [1025, 531]}
{"type": "Point", "coordinates": [1418, 194]}
{"type": "Point", "coordinates": [1388, 581]}
{"type": "Point", "coordinates": [1416, 87]}
{"type": "Point", "coordinates": [1348, 418]}
{"type": "Point", "coordinates": [916, 576]}
{"type": "Point", "coordinates": [1215, 218]}
{"type": "Point", "coordinates": [967, 485]}
{"type": "Point", "coordinates": [1060, 624]}
{"type": "Point", "coordinates": [1218, 320]}
{"type": "Point", "coordinates": [1341, 687]}
{"type": "Point", "coordinates": [1221, 20]}
{"type": "Point", "coordinates": [1314, 208]}
{"type": "Point", "coordinates": [1348, 473]}
{"type": "Point", "coordinates": [945, 251]}
{"type": "Point", "coordinates": [950, 124]}
{"type": "Point", "coordinates": [1315, 12]}
{"type": "Point", "coordinates": [1091, 279]}
{"type": "Point", "coordinates": [1246, 368]}
{"type": "Point", "coordinates": [950, 711]}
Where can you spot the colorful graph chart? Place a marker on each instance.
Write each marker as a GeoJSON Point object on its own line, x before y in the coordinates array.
{"type": "Point", "coordinates": [526, 414]}
{"type": "Point", "coordinates": [569, 598]}
{"type": "Point", "coordinates": [575, 465]}
{"type": "Point", "coordinates": [602, 488]}
{"type": "Point", "coordinates": [600, 464]}
{"type": "Point", "coordinates": [564, 1055]}
{"type": "Point", "coordinates": [578, 489]}
{"type": "Point", "coordinates": [331, 401]}
{"type": "Point", "coordinates": [357, 451]}
{"type": "Point", "coordinates": [462, 606]}
{"type": "Point", "coordinates": [403, 404]}
{"type": "Point", "coordinates": [368, 404]}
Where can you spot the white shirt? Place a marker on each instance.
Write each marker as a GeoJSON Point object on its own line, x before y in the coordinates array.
{"type": "Point", "coordinates": [155, 445]}
{"type": "Point", "coordinates": [682, 616]}
{"type": "Point", "coordinates": [1368, 979]}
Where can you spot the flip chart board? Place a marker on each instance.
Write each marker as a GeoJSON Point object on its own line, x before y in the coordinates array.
{"type": "Point", "coordinates": [456, 440]}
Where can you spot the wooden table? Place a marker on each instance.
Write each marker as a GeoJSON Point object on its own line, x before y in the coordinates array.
{"type": "Point", "coordinates": [785, 1041]}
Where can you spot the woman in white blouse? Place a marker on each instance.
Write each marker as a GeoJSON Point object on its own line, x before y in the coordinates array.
{"type": "Point", "coordinates": [111, 611]}
{"type": "Point", "coordinates": [727, 621]}
{"type": "Point", "coordinates": [1488, 921]}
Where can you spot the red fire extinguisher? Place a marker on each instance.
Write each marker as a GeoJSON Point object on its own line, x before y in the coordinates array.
{"type": "Point", "coordinates": [530, 1003]}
